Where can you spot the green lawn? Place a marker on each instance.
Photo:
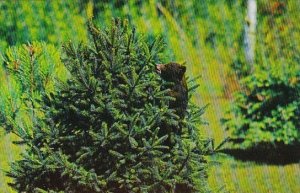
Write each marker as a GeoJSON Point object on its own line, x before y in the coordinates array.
{"type": "Point", "coordinates": [230, 175]}
{"type": "Point", "coordinates": [8, 153]}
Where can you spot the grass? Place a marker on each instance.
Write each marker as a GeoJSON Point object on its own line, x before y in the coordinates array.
{"type": "Point", "coordinates": [244, 177]}
{"type": "Point", "coordinates": [8, 153]}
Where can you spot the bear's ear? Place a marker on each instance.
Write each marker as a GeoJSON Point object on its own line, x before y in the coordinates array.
{"type": "Point", "coordinates": [183, 69]}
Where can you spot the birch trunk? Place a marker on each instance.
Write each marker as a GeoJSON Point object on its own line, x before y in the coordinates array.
{"type": "Point", "coordinates": [250, 32]}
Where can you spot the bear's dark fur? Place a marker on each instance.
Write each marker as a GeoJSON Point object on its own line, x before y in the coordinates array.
{"type": "Point", "coordinates": [174, 73]}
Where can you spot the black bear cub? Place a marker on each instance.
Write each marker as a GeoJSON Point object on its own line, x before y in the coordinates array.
{"type": "Point", "coordinates": [174, 73]}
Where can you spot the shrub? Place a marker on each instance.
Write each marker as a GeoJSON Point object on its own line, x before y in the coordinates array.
{"type": "Point", "coordinates": [101, 131]}
{"type": "Point", "coordinates": [268, 109]}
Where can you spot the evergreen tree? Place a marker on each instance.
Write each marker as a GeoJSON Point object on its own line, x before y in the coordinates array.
{"type": "Point", "coordinates": [101, 130]}
{"type": "Point", "coordinates": [27, 73]}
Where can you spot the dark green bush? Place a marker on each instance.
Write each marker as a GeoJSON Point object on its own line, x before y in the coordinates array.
{"type": "Point", "coordinates": [101, 131]}
{"type": "Point", "coordinates": [267, 111]}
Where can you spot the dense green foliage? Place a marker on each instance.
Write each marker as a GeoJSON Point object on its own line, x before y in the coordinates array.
{"type": "Point", "coordinates": [50, 21]}
{"type": "Point", "coordinates": [267, 110]}
{"type": "Point", "coordinates": [28, 73]}
{"type": "Point", "coordinates": [101, 132]}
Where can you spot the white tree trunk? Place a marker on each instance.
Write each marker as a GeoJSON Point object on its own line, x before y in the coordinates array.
{"type": "Point", "coordinates": [250, 32]}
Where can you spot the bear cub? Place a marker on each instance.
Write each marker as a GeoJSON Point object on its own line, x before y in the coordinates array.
{"type": "Point", "coordinates": [174, 73]}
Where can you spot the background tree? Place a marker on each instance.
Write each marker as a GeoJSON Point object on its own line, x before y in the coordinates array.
{"type": "Point", "coordinates": [267, 110]}
{"type": "Point", "coordinates": [250, 32]}
{"type": "Point", "coordinates": [50, 21]}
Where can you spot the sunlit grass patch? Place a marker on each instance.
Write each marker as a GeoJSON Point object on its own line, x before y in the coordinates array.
{"type": "Point", "coordinates": [9, 153]}
{"type": "Point", "coordinates": [246, 177]}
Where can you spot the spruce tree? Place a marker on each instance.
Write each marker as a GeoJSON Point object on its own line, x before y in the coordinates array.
{"type": "Point", "coordinates": [101, 131]}
{"type": "Point", "coordinates": [28, 72]}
